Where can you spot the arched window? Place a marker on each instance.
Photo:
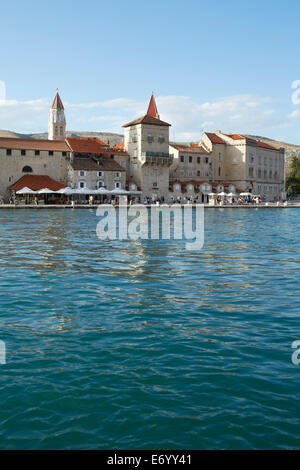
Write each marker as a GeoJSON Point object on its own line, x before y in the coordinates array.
{"type": "Point", "coordinates": [27, 169]}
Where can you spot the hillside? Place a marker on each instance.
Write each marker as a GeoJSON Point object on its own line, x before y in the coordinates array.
{"type": "Point", "coordinates": [114, 139]}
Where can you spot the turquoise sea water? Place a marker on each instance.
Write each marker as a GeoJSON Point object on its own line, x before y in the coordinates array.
{"type": "Point", "coordinates": [142, 344]}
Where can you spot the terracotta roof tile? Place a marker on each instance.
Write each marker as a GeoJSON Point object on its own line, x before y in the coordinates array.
{"type": "Point", "coordinates": [236, 136]}
{"type": "Point", "coordinates": [146, 119]}
{"type": "Point", "coordinates": [92, 145]}
{"type": "Point", "coordinates": [95, 164]}
{"type": "Point", "coordinates": [188, 149]}
{"type": "Point", "coordinates": [214, 138]}
{"type": "Point", "coordinates": [119, 146]}
{"type": "Point", "coordinates": [36, 182]}
{"type": "Point", "coordinates": [266, 146]}
{"type": "Point", "coordinates": [33, 144]}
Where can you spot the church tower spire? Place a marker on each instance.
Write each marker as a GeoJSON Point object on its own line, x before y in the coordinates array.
{"type": "Point", "coordinates": [57, 120]}
{"type": "Point", "coordinates": [152, 108]}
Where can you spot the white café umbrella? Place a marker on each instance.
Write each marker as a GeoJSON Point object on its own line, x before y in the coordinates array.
{"type": "Point", "coordinates": [66, 191]}
{"type": "Point", "coordinates": [245, 194]}
{"type": "Point", "coordinates": [231, 194]}
{"type": "Point", "coordinates": [119, 191]}
{"type": "Point", "coordinates": [222, 194]}
{"type": "Point", "coordinates": [46, 191]}
{"type": "Point", "coordinates": [135, 192]}
{"type": "Point", "coordinates": [26, 190]}
{"type": "Point", "coordinates": [84, 191]}
{"type": "Point", "coordinates": [102, 190]}
{"type": "Point", "coordinates": [212, 194]}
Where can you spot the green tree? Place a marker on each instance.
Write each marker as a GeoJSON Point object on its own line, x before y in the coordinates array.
{"type": "Point", "coordinates": [293, 176]}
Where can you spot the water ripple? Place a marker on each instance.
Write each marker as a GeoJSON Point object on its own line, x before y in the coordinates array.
{"type": "Point", "coordinates": [143, 344]}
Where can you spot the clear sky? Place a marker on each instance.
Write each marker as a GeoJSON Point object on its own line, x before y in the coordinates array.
{"type": "Point", "coordinates": [225, 65]}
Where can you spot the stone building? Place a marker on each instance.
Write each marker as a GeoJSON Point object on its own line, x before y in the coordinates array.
{"type": "Point", "coordinates": [147, 142]}
{"type": "Point", "coordinates": [190, 172]}
{"type": "Point", "coordinates": [146, 161]}
{"type": "Point", "coordinates": [247, 163]}
{"type": "Point", "coordinates": [19, 157]}
{"type": "Point", "coordinates": [93, 165]}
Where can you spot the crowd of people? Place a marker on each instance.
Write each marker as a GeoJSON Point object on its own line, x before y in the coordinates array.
{"type": "Point", "coordinates": [153, 200]}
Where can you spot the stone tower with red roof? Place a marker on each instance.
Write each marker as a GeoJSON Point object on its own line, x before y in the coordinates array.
{"type": "Point", "coordinates": [147, 141]}
{"type": "Point", "coordinates": [57, 120]}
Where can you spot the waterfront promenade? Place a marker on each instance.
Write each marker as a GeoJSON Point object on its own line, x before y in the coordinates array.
{"type": "Point", "coordinates": [269, 205]}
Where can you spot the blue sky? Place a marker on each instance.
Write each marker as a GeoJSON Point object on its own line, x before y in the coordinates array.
{"type": "Point", "coordinates": [212, 65]}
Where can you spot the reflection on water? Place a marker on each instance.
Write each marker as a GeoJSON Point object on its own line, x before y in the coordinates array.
{"type": "Point", "coordinates": [118, 344]}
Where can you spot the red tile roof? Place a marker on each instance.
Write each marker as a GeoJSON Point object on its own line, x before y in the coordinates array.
{"type": "Point", "coordinates": [146, 119]}
{"type": "Point", "coordinates": [33, 144]}
{"type": "Point", "coordinates": [57, 103]}
{"type": "Point", "coordinates": [152, 109]}
{"type": "Point", "coordinates": [119, 146]}
{"type": "Point", "coordinates": [96, 164]}
{"type": "Point", "coordinates": [36, 182]}
{"type": "Point", "coordinates": [266, 146]}
{"type": "Point", "coordinates": [188, 149]}
{"type": "Point", "coordinates": [214, 138]}
{"type": "Point", "coordinates": [258, 142]}
{"type": "Point", "coordinates": [236, 136]}
{"type": "Point", "coordinates": [92, 145]}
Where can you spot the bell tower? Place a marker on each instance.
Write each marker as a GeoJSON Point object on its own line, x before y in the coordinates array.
{"type": "Point", "coordinates": [57, 120]}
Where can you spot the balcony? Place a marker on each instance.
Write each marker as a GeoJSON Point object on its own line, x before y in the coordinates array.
{"type": "Point", "coordinates": [157, 158]}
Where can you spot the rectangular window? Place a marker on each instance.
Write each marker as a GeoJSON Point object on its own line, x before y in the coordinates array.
{"type": "Point", "coordinates": [206, 160]}
{"type": "Point", "coordinates": [23, 152]}
{"type": "Point", "coordinates": [81, 173]}
{"type": "Point", "coordinates": [150, 138]}
{"type": "Point", "coordinates": [198, 160]}
{"type": "Point", "coordinates": [118, 185]}
{"type": "Point", "coordinates": [64, 154]}
{"type": "Point", "coordinates": [182, 158]}
{"type": "Point", "coordinates": [36, 152]}
{"type": "Point", "coordinates": [161, 139]}
{"type": "Point", "coordinates": [118, 174]}
{"type": "Point", "coordinates": [198, 173]}
{"type": "Point", "coordinates": [190, 159]}
{"type": "Point", "coordinates": [100, 174]}
{"type": "Point", "coordinates": [51, 152]}
{"type": "Point", "coordinates": [81, 184]}
{"type": "Point", "coordinates": [8, 151]}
